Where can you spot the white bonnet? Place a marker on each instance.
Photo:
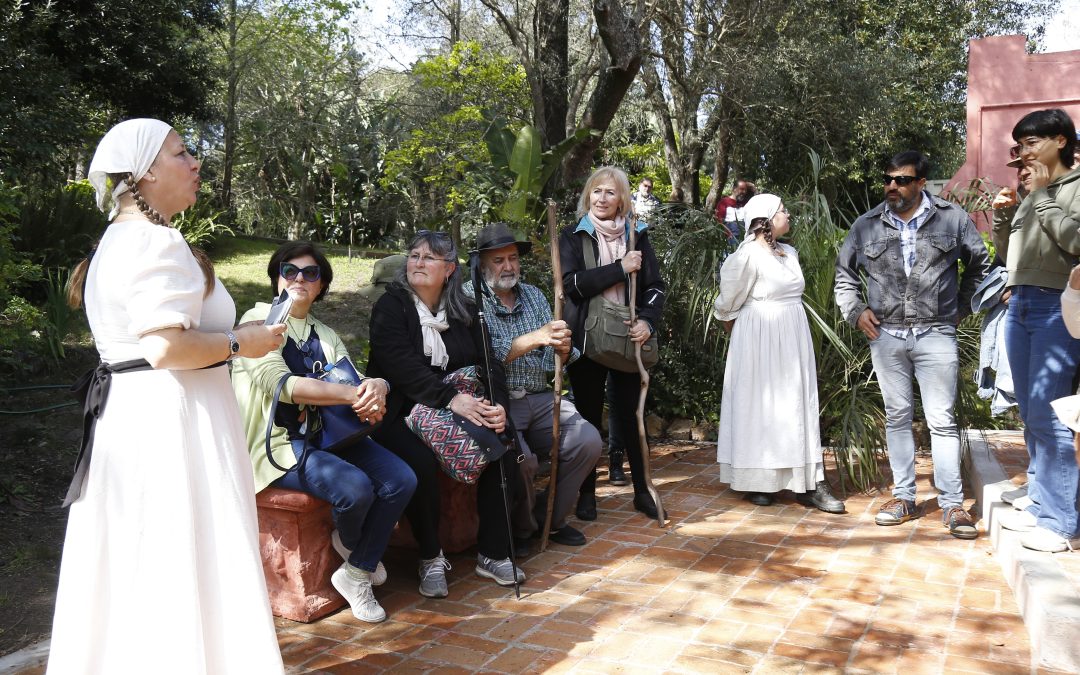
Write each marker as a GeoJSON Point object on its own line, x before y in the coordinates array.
{"type": "Point", "coordinates": [130, 146]}
{"type": "Point", "coordinates": [760, 206]}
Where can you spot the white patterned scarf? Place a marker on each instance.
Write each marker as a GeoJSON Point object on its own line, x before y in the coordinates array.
{"type": "Point", "coordinates": [433, 325]}
{"type": "Point", "coordinates": [131, 146]}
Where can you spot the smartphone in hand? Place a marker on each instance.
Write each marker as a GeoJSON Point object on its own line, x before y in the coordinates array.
{"type": "Point", "coordinates": [279, 309]}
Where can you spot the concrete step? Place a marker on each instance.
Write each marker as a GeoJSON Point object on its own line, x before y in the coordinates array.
{"type": "Point", "coordinates": [1048, 600]}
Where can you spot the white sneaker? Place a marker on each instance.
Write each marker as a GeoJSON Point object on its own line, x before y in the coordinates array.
{"type": "Point", "coordinates": [1021, 503]}
{"type": "Point", "coordinates": [378, 577]}
{"type": "Point", "coordinates": [354, 584]}
{"type": "Point", "coordinates": [1018, 521]}
{"type": "Point", "coordinates": [1042, 539]}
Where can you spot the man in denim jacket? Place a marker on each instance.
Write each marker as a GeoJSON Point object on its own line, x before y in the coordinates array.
{"type": "Point", "coordinates": [909, 248]}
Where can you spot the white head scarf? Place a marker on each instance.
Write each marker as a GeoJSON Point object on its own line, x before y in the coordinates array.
{"type": "Point", "coordinates": [763, 205]}
{"type": "Point", "coordinates": [130, 146]}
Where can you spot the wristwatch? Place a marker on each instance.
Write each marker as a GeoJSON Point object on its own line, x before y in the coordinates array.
{"type": "Point", "coordinates": [234, 346]}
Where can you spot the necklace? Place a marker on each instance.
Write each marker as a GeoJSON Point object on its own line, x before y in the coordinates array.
{"type": "Point", "coordinates": [298, 339]}
{"type": "Point", "coordinates": [130, 210]}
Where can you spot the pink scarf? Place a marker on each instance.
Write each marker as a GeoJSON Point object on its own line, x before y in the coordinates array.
{"type": "Point", "coordinates": [612, 237]}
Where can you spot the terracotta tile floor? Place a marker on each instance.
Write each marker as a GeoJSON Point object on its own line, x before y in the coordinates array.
{"type": "Point", "coordinates": [726, 587]}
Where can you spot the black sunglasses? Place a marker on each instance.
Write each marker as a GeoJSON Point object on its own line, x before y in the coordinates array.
{"type": "Point", "coordinates": [902, 181]}
{"type": "Point", "coordinates": [310, 273]}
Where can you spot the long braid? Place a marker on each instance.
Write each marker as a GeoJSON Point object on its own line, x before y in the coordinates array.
{"type": "Point", "coordinates": [151, 214]}
{"type": "Point", "coordinates": [763, 226]}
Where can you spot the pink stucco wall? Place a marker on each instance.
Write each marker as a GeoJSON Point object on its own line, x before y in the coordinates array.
{"type": "Point", "coordinates": [1004, 84]}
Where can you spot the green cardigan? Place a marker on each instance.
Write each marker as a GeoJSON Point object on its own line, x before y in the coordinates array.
{"type": "Point", "coordinates": [1040, 239]}
{"type": "Point", "coordinates": [254, 380]}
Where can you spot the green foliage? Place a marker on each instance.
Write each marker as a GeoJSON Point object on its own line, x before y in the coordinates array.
{"type": "Point", "coordinates": [57, 227]}
{"type": "Point", "coordinates": [200, 229]}
{"type": "Point", "coordinates": [68, 69]}
{"type": "Point", "coordinates": [522, 157]}
{"type": "Point", "coordinates": [443, 170]}
{"type": "Point", "coordinates": [18, 318]}
{"type": "Point", "coordinates": [58, 316]}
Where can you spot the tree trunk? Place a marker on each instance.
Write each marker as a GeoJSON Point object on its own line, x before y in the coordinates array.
{"type": "Point", "coordinates": [229, 156]}
{"type": "Point", "coordinates": [619, 65]}
{"type": "Point", "coordinates": [551, 24]}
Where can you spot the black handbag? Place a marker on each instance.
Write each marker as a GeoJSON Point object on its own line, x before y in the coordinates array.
{"type": "Point", "coordinates": [326, 427]}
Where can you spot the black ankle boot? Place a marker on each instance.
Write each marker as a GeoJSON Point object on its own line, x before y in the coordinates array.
{"type": "Point", "coordinates": [586, 506]}
{"type": "Point", "coordinates": [616, 475]}
{"type": "Point", "coordinates": [821, 498]}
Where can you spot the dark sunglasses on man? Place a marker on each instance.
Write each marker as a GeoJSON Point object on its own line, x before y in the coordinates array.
{"type": "Point", "coordinates": [902, 181]}
{"type": "Point", "coordinates": [310, 273]}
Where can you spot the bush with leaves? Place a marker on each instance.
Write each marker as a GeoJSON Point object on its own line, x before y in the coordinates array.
{"type": "Point", "coordinates": [20, 321]}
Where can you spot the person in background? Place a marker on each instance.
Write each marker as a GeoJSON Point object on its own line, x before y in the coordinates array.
{"type": "Point", "coordinates": [644, 200]}
{"type": "Point", "coordinates": [383, 274]}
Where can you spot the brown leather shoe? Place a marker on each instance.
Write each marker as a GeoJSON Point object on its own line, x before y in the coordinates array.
{"type": "Point", "coordinates": [959, 522]}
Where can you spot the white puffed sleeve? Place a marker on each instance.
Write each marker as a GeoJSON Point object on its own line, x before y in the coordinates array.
{"type": "Point", "coordinates": [166, 285]}
{"type": "Point", "coordinates": [737, 276]}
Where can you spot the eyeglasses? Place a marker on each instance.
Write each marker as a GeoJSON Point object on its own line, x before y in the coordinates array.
{"type": "Point", "coordinates": [428, 259]}
{"type": "Point", "coordinates": [1030, 144]}
{"type": "Point", "coordinates": [902, 181]}
{"type": "Point", "coordinates": [310, 273]}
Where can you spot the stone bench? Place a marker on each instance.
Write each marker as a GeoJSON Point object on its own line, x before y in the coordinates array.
{"type": "Point", "coordinates": [298, 559]}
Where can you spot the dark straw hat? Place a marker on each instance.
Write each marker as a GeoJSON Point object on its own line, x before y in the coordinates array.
{"type": "Point", "coordinates": [496, 236]}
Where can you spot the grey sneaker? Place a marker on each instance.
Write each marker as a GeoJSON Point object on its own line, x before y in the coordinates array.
{"type": "Point", "coordinates": [499, 570]}
{"type": "Point", "coordinates": [354, 584]}
{"type": "Point", "coordinates": [433, 577]}
{"type": "Point", "coordinates": [378, 577]}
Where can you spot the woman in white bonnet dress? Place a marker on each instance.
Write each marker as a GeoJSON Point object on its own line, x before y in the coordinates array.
{"type": "Point", "coordinates": [161, 570]}
{"type": "Point", "coordinates": [769, 438]}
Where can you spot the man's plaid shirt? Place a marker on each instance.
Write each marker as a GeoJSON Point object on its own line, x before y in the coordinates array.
{"type": "Point", "coordinates": [531, 372]}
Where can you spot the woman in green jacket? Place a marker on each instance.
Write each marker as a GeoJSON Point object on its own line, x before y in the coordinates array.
{"type": "Point", "coordinates": [1040, 246]}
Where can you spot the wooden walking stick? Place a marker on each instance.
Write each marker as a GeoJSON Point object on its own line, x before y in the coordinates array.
{"type": "Point", "coordinates": [556, 272]}
{"type": "Point", "coordinates": [642, 438]}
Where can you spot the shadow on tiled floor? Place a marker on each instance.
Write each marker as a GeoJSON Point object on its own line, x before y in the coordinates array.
{"type": "Point", "coordinates": [727, 587]}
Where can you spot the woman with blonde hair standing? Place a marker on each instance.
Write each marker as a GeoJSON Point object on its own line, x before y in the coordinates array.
{"type": "Point", "coordinates": [597, 259]}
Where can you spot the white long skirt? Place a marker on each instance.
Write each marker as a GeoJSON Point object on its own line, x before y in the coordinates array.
{"type": "Point", "coordinates": [769, 438]}
{"type": "Point", "coordinates": [161, 570]}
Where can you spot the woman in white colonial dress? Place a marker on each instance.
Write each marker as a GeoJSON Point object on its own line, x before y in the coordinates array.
{"type": "Point", "coordinates": [769, 438]}
{"type": "Point", "coordinates": [161, 570]}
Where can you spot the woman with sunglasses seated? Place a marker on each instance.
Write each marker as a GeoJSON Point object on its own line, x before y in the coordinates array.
{"type": "Point", "coordinates": [1040, 245]}
{"type": "Point", "coordinates": [422, 329]}
{"type": "Point", "coordinates": [367, 485]}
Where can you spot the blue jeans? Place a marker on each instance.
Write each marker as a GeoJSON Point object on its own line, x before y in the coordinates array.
{"type": "Point", "coordinates": [368, 487]}
{"type": "Point", "coordinates": [932, 358]}
{"type": "Point", "coordinates": [1043, 357]}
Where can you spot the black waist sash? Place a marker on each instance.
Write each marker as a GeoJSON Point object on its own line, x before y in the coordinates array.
{"type": "Point", "coordinates": [92, 390]}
